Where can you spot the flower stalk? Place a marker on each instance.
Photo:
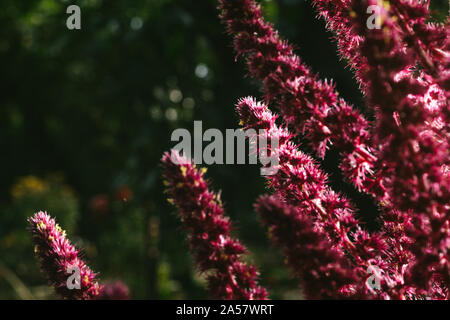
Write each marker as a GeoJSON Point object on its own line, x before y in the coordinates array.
{"type": "Point", "coordinates": [60, 261]}
{"type": "Point", "coordinates": [216, 252]}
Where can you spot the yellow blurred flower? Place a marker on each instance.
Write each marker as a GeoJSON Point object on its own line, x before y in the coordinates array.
{"type": "Point", "coordinates": [27, 185]}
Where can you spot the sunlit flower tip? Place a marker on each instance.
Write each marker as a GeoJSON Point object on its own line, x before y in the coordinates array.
{"type": "Point", "coordinates": [254, 114]}
{"type": "Point", "coordinates": [308, 105]}
{"type": "Point", "coordinates": [60, 260]}
{"type": "Point", "coordinates": [215, 251]}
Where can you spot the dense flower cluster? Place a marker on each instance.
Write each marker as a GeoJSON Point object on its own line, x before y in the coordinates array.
{"type": "Point", "coordinates": [402, 66]}
{"type": "Point", "coordinates": [301, 183]}
{"type": "Point", "coordinates": [403, 160]}
{"type": "Point", "coordinates": [60, 260]}
{"type": "Point", "coordinates": [327, 276]}
{"type": "Point", "coordinates": [217, 254]}
{"type": "Point", "coordinates": [308, 105]}
{"type": "Point", "coordinates": [414, 153]}
{"type": "Point", "coordinates": [337, 16]}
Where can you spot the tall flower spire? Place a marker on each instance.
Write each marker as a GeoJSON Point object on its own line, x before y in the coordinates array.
{"type": "Point", "coordinates": [414, 156]}
{"type": "Point", "coordinates": [336, 13]}
{"type": "Point", "coordinates": [309, 106]}
{"type": "Point", "coordinates": [300, 182]}
{"type": "Point", "coordinates": [324, 271]}
{"type": "Point", "coordinates": [216, 253]}
{"type": "Point", "coordinates": [60, 260]}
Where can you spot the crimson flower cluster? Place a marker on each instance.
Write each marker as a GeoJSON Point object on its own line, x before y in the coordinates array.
{"type": "Point", "coordinates": [217, 253]}
{"type": "Point", "coordinates": [310, 106]}
{"type": "Point", "coordinates": [401, 159]}
{"type": "Point", "coordinates": [60, 260]}
{"type": "Point", "coordinates": [414, 151]}
{"type": "Point", "coordinates": [64, 267]}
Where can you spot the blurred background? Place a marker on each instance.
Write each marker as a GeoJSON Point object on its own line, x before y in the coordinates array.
{"type": "Point", "coordinates": [85, 116]}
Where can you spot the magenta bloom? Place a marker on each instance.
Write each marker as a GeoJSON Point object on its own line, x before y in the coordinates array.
{"type": "Point", "coordinates": [324, 271]}
{"type": "Point", "coordinates": [61, 261]}
{"type": "Point", "coordinates": [217, 254]}
{"type": "Point", "coordinates": [403, 68]}
{"type": "Point", "coordinates": [299, 180]}
{"type": "Point", "coordinates": [415, 152]}
{"type": "Point", "coordinates": [336, 13]}
{"type": "Point", "coordinates": [301, 183]}
{"type": "Point", "coordinates": [307, 104]}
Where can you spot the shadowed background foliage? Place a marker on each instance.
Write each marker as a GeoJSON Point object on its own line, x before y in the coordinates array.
{"type": "Point", "coordinates": [85, 116]}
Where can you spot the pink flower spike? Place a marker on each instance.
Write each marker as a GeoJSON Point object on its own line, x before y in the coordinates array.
{"type": "Point", "coordinates": [323, 271]}
{"type": "Point", "coordinates": [414, 150]}
{"type": "Point", "coordinates": [60, 260]}
{"type": "Point", "coordinates": [308, 105]}
{"type": "Point", "coordinates": [216, 252]}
